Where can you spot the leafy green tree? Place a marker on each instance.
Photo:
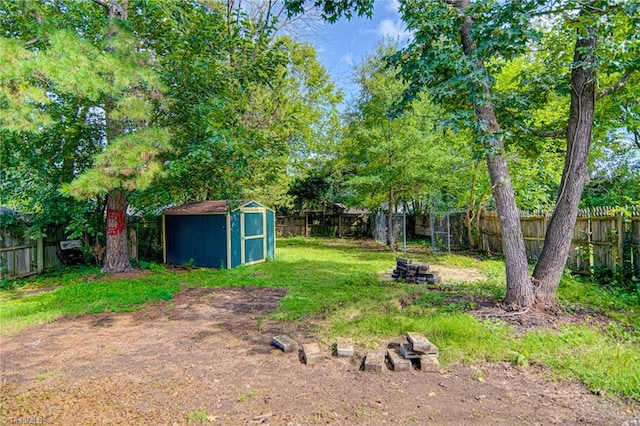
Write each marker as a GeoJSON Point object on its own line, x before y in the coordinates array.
{"type": "Point", "coordinates": [458, 48]}
{"type": "Point", "coordinates": [87, 82]}
{"type": "Point", "coordinates": [248, 102]}
{"type": "Point", "coordinates": [117, 91]}
{"type": "Point", "coordinates": [392, 160]}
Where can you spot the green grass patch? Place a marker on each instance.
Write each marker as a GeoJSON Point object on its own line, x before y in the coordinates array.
{"type": "Point", "coordinates": [83, 294]}
{"type": "Point", "coordinates": [599, 358]}
{"type": "Point", "coordinates": [337, 281]}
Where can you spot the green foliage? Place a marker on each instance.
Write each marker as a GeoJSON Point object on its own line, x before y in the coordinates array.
{"type": "Point", "coordinates": [85, 105]}
{"type": "Point", "coordinates": [250, 103]}
{"type": "Point", "coordinates": [125, 163]}
{"type": "Point", "coordinates": [93, 127]}
{"type": "Point", "coordinates": [396, 159]}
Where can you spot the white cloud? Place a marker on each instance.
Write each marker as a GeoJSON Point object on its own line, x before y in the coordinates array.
{"type": "Point", "coordinates": [347, 59]}
{"type": "Point", "coordinates": [392, 6]}
{"type": "Point", "coordinates": [393, 28]}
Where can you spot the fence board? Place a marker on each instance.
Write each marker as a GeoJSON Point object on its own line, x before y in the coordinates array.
{"type": "Point", "coordinates": [19, 253]}
{"type": "Point", "coordinates": [319, 224]}
{"type": "Point", "coordinates": [534, 229]}
{"type": "Point", "coordinates": [490, 231]}
{"type": "Point", "coordinates": [598, 237]}
{"type": "Point", "coordinates": [605, 238]}
{"type": "Point", "coordinates": [579, 259]}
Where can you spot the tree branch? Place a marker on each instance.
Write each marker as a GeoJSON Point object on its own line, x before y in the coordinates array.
{"type": "Point", "coordinates": [32, 41]}
{"type": "Point", "coordinates": [619, 85]}
{"type": "Point", "coordinates": [103, 4]}
{"type": "Point", "coordinates": [548, 133]}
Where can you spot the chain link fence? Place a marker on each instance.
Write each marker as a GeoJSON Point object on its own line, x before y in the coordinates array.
{"type": "Point", "coordinates": [393, 233]}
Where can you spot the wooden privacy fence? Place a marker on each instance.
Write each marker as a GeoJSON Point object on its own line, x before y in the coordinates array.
{"type": "Point", "coordinates": [635, 239]}
{"type": "Point", "coordinates": [602, 237]}
{"type": "Point", "coordinates": [21, 256]}
{"type": "Point", "coordinates": [318, 224]}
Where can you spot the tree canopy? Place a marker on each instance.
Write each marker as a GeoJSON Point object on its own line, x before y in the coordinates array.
{"type": "Point", "coordinates": [149, 103]}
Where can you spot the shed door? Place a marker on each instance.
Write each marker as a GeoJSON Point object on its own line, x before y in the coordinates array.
{"type": "Point", "coordinates": [253, 233]}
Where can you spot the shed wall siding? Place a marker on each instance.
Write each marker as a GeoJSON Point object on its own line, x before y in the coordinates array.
{"type": "Point", "coordinates": [202, 238]}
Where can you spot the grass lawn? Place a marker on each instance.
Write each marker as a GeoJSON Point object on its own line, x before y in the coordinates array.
{"type": "Point", "coordinates": [336, 281]}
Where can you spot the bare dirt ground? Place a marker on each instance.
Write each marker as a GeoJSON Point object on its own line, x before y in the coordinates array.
{"type": "Point", "coordinates": [205, 357]}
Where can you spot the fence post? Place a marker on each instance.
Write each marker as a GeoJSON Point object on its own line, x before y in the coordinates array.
{"type": "Point", "coordinates": [404, 232]}
{"type": "Point", "coordinates": [40, 255]}
{"type": "Point", "coordinates": [433, 232]}
{"type": "Point", "coordinates": [620, 224]}
{"type": "Point", "coordinates": [306, 224]}
{"type": "Point", "coordinates": [591, 258]}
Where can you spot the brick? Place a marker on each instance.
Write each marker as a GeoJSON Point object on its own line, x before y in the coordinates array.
{"type": "Point", "coordinates": [434, 351]}
{"type": "Point", "coordinates": [433, 277]}
{"type": "Point", "coordinates": [311, 353]}
{"type": "Point", "coordinates": [398, 363]}
{"type": "Point", "coordinates": [406, 352]}
{"type": "Point", "coordinates": [284, 342]}
{"type": "Point", "coordinates": [344, 347]}
{"type": "Point", "coordinates": [374, 362]}
{"type": "Point", "coordinates": [418, 342]}
{"type": "Point", "coordinates": [429, 364]}
{"type": "Point", "coordinates": [423, 267]}
{"type": "Point", "coordinates": [396, 342]}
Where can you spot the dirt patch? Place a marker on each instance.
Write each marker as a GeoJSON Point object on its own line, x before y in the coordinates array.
{"type": "Point", "coordinates": [133, 273]}
{"type": "Point", "coordinates": [206, 357]}
{"type": "Point", "coordinates": [541, 318]}
{"type": "Point", "coordinates": [449, 273]}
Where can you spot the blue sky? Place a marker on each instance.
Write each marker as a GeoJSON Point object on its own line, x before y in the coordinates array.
{"type": "Point", "coordinates": [345, 43]}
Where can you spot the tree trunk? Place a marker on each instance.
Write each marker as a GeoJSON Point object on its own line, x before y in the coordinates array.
{"type": "Point", "coordinates": [557, 242]}
{"type": "Point", "coordinates": [519, 286]}
{"type": "Point", "coordinates": [117, 256]}
{"type": "Point", "coordinates": [390, 220]}
{"type": "Point", "coordinates": [468, 223]}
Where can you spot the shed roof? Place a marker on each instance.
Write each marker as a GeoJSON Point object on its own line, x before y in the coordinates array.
{"type": "Point", "coordinates": [206, 207]}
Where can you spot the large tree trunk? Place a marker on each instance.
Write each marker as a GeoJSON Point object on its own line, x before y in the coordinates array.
{"type": "Point", "coordinates": [519, 286]}
{"type": "Point", "coordinates": [557, 241]}
{"type": "Point", "coordinates": [117, 256]}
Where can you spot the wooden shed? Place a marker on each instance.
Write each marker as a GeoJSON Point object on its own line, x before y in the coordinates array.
{"type": "Point", "coordinates": [218, 234]}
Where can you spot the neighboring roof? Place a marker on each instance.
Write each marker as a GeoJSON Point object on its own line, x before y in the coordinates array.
{"type": "Point", "coordinates": [5, 210]}
{"type": "Point", "coordinates": [357, 211]}
{"type": "Point", "coordinates": [207, 207]}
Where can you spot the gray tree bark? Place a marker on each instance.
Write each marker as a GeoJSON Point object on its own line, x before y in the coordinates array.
{"type": "Point", "coordinates": [519, 285]}
{"type": "Point", "coordinates": [557, 242]}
